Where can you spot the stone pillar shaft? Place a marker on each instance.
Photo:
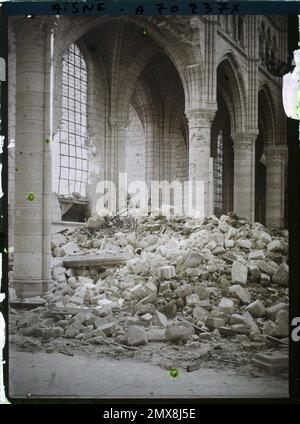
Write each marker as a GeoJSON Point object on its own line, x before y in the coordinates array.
{"type": "Point", "coordinates": [32, 233]}
{"type": "Point", "coordinates": [200, 162]}
{"type": "Point", "coordinates": [276, 162]}
{"type": "Point", "coordinates": [244, 168]}
{"type": "Point", "coordinates": [117, 152]}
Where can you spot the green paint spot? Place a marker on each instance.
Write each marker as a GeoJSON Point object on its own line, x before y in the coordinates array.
{"type": "Point", "coordinates": [31, 196]}
{"type": "Point", "coordinates": [145, 32]}
{"type": "Point", "coordinates": [174, 373]}
{"type": "Point", "coordinates": [47, 141]}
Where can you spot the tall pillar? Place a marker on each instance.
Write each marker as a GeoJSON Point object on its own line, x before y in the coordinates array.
{"type": "Point", "coordinates": [200, 162]}
{"type": "Point", "coordinates": [32, 221]}
{"type": "Point", "coordinates": [244, 173]}
{"type": "Point", "coordinates": [276, 158]}
{"type": "Point", "coordinates": [116, 153]}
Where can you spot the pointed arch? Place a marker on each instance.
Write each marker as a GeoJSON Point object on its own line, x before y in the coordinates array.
{"type": "Point", "coordinates": [182, 54]}
{"type": "Point", "coordinates": [267, 114]}
{"type": "Point", "coordinates": [232, 87]}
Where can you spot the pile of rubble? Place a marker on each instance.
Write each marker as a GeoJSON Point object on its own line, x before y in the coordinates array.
{"type": "Point", "coordinates": [171, 281]}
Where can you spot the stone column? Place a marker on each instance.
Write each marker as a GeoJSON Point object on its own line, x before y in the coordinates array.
{"type": "Point", "coordinates": [276, 158]}
{"type": "Point", "coordinates": [11, 130]}
{"type": "Point", "coordinates": [244, 174]}
{"type": "Point", "coordinates": [200, 162]}
{"type": "Point", "coordinates": [32, 254]}
{"type": "Point", "coordinates": [116, 152]}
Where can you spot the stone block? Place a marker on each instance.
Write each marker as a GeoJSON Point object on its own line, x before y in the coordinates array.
{"type": "Point", "coordinates": [281, 276]}
{"type": "Point", "coordinates": [254, 271]}
{"type": "Point", "coordinates": [244, 243]}
{"type": "Point", "coordinates": [265, 237]}
{"type": "Point", "coordinates": [167, 272]}
{"type": "Point", "coordinates": [211, 245]}
{"type": "Point", "coordinates": [70, 332]}
{"type": "Point", "coordinates": [274, 309]}
{"type": "Point", "coordinates": [266, 267]}
{"type": "Point", "coordinates": [226, 305]}
{"type": "Point", "coordinates": [229, 244]}
{"type": "Point", "coordinates": [136, 335]}
{"type": "Point", "coordinates": [170, 310]}
{"type": "Point", "coordinates": [219, 250]}
{"type": "Point", "coordinates": [200, 314]}
{"type": "Point", "coordinates": [151, 288]}
{"type": "Point", "coordinates": [252, 324]}
{"type": "Point", "coordinates": [226, 331]}
{"type": "Point", "coordinates": [156, 335]}
{"type": "Point", "coordinates": [268, 327]}
{"type": "Point", "coordinates": [70, 248]}
{"type": "Point", "coordinates": [271, 361]}
{"type": "Point", "coordinates": [161, 319]}
{"type": "Point", "coordinates": [192, 299]}
{"type": "Point", "coordinates": [138, 291]}
{"type": "Point", "coordinates": [205, 336]}
{"type": "Point", "coordinates": [232, 232]}
{"type": "Point", "coordinates": [256, 309]}
{"type": "Point", "coordinates": [107, 328]}
{"type": "Point", "coordinates": [175, 333]}
{"type": "Point", "coordinates": [241, 329]}
{"type": "Point", "coordinates": [238, 319]}
{"type": "Point", "coordinates": [57, 240]}
{"type": "Point", "coordinates": [274, 246]}
{"type": "Point", "coordinates": [59, 274]}
{"type": "Point", "coordinates": [256, 255]}
{"type": "Point", "coordinates": [240, 293]}
{"type": "Point", "coordinates": [214, 323]}
{"type": "Point", "coordinates": [164, 287]}
{"type": "Point", "coordinates": [96, 222]}
{"type": "Point", "coordinates": [265, 279]}
{"type": "Point", "coordinates": [184, 290]}
{"type": "Point", "coordinates": [239, 273]}
{"type": "Point", "coordinates": [193, 260]}
{"type": "Point", "coordinates": [202, 292]}
{"type": "Point", "coordinates": [147, 317]}
{"type": "Point", "coordinates": [281, 328]}
{"type": "Point", "coordinates": [86, 281]}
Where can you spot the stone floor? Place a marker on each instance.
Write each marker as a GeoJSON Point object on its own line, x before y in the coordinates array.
{"type": "Point", "coordinates": [42, 375]}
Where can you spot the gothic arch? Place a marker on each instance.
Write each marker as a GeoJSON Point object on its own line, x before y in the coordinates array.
{"type": "Point", "coordinates": [231, 84]}
{"type": "Point", "coordinates": [266, 113]}
{"type": "Point", "coordinates": [181, 55]}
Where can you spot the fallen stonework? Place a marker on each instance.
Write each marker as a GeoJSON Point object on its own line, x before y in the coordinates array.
{"type": "Point", "coordinates": [177, 292]}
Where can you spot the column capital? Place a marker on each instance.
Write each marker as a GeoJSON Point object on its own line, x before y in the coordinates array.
{"type": "Point", "coordinates": [244, 140]}
{"type": "Point", "coordinates": [276, 153]}
{"type": "Point", "coordinates": [200, 117]}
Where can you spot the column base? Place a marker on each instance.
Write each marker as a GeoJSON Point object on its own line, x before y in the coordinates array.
{"type": "Point", "coordinates": [32, 288]}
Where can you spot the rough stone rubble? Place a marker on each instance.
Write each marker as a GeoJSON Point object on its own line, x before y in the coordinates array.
{"type": "Point", "coordinates": [189, 285]}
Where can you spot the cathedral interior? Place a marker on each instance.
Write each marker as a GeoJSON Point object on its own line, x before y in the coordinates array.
{"type": "Point", "coordinates": [158, 98]}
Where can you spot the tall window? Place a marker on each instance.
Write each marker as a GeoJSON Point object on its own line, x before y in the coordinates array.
{"type": "Point", "coordinates": [72, 136]}
{"type": "Point", "coordinates": [218, 175]}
